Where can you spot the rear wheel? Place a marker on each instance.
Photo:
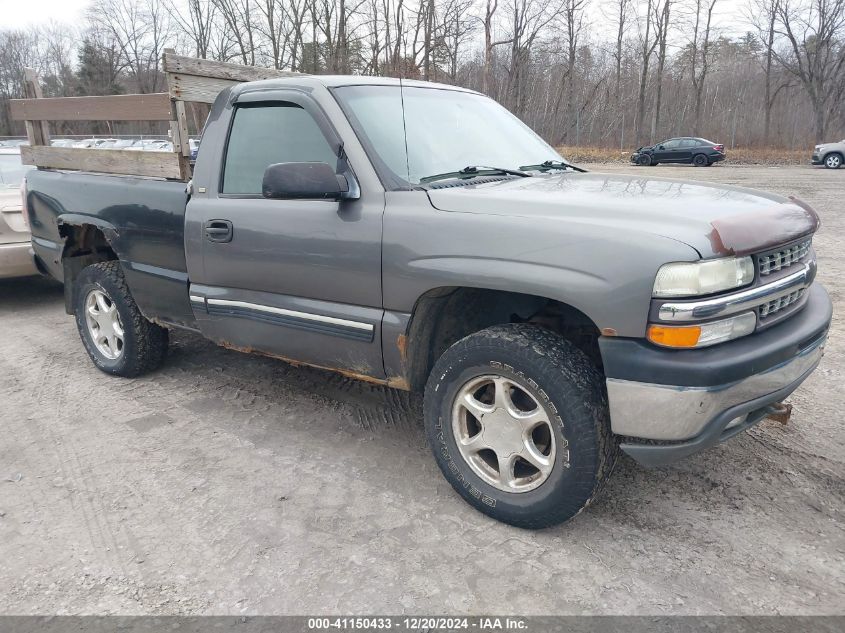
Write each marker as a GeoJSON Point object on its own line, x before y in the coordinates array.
{"type": "Point", "coordinates": [518, 422]}
{"type": "Point", "coordinates": [700, 160]}
{"type": "Point", "coordinates": [116, 335]}
{"type": "Point", "coordinates": [833, 161]}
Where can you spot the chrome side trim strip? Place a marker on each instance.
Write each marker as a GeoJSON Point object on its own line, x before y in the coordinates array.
{"type": "Point", "coordinates": [737, 302]}
{"type": "Point", "coordinates": [197, 299]}
{"type": "Point", "coordinates": [366, 327]}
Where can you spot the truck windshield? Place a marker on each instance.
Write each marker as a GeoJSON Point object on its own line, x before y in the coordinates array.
{"type": "Point", "coordinates": [443, 131]}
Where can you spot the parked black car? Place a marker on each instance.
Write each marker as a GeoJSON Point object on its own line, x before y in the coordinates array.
{"type": "Point", "coordinates": [692, 151]}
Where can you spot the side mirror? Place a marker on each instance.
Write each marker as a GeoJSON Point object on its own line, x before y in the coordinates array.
{"type": "Point", "coordinates": [301, 181]}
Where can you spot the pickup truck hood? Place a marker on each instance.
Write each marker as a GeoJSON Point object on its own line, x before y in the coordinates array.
{"type": "Point", "coordinates": [716, 220]}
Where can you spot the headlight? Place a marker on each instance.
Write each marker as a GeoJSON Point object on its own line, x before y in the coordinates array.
{"type": "Point", "coordinates": [702, 334]}
{"type": "Point", "coordinates": [691, 279]}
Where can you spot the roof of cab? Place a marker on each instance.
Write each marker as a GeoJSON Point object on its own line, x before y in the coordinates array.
{"type": "Point", "coordinates": [336, 81]}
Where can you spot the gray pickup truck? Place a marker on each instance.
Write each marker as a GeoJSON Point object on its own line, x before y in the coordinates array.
{"type": "Point", "coordinates": [422, 237]}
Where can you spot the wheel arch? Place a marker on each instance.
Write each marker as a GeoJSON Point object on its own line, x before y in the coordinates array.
{"type": "Point", "coordinates": [87, 240]}
{"type": "Point", "coordinates": [441, 316]}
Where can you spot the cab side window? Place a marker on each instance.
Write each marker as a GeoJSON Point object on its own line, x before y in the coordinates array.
{"type": "Point", "coordinates": [671, 144]}
{"type": "Point", "coordinates": [264, 134]}
{"type": "Point", "coordinates": [688, 142]}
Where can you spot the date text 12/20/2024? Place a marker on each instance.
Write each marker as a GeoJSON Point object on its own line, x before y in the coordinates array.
{"type": "Point", "coordinates": [417, 623]}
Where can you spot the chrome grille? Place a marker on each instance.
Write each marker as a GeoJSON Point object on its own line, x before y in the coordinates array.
{"type": "Point", "coordinates": [776, 305]}
{"type": "Point", "coordinates": [782, 258]}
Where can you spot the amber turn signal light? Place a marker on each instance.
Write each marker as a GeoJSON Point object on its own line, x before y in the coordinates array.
{"type": "Point", "coordinates": [674, 336]}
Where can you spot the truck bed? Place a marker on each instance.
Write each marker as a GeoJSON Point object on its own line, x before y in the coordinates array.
{"type": "Point", "coordinates": [142, 218]}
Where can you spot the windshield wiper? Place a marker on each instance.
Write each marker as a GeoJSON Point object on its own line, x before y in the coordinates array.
{"type": "Point", "coordinates": [553, 164]}
{"type": "Point", "coordinates": [475, 170]}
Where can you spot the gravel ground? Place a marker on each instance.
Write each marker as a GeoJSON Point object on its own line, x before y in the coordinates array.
{"type": "Point", "coordinates": [232, 484]}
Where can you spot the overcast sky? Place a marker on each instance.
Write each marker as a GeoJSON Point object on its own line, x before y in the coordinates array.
{"type": "Point", "coordinates": [22, 13]}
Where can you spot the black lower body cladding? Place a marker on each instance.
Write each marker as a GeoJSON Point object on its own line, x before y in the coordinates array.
{"type": "Point", "coordinates": [559, 379]}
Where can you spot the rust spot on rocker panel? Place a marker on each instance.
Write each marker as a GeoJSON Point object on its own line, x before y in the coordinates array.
{"type": "Point", "coordinates": [391, 381]}
{"type": "Point", "coordinates": [402, 344]}
{"type": "Point", "coordinates": [750, 233]}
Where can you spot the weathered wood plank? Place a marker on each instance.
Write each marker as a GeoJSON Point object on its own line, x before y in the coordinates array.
{"type": "Point", "coordinates": [219, 70]}
{"type": "Point", "coordinates": [182, 125]}
{"type": "Point", "coordinates": [196, 89]}
{"type": "Point", "coordinates": [107, 161]}
{"type": "Point", "coordinates": [38, 133]}
{"type": "Point", "coordinates": [149, 107]}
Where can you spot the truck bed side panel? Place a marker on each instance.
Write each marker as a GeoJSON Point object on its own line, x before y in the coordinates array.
{"type": "Point", "coordinates": [143, 219]}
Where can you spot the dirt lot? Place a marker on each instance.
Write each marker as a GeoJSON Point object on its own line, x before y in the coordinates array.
{"type": "Point", "coordinates": [232, 484]}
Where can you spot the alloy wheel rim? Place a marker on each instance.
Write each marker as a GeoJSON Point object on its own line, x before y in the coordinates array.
{"type": "Point", "coordinates": [503, 433]}
{"type": "Point", "coordinates": [104, 325]}
{"type": "Point", "coordinates": [833, 161]}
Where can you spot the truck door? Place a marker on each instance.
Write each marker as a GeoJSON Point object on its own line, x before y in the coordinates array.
{"type": "Point", "coordinates": [298, 279]}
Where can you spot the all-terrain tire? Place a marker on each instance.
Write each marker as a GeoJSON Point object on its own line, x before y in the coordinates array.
{"type": "Point", "coordinates": [700, 160]}
{"type": "Point", "coordinates": [562, 379]}
{"type": "Point", "coordinates": [144, 343]}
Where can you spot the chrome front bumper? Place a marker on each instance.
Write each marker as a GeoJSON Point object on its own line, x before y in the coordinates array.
{"type": "Point", "coordinates": [673, 412]}
{"type": "Point", "coordinates": [668, 404]}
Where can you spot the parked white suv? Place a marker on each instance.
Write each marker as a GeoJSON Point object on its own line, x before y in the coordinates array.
{"type": "Point", "coordinates": [831, 155]}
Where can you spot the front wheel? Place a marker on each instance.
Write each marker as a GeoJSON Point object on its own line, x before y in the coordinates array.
{"type": "Point", "coordinates": [518, 422]}
{"type": "Point", "coordinates": [116, 335]}
{"type": "Point", "coordinates": [644, 160]}
{"type": "Point", "coordinates": [833, 161]}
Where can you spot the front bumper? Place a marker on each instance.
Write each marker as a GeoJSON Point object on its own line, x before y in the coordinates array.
{"type": "Point", "coordinates": [668, 404]}
{"type": "Point", "coordinates": [817, 160]}
{"type": "Point", "coordinates": [16, 260]}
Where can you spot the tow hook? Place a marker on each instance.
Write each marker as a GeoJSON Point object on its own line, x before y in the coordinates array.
{"type": "Point", "coordinates": [780, 412]}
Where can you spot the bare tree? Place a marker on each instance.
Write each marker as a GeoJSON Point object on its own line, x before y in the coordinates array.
{"type": "Point", "coordinates": [541, 58]}
{"type": "Point", "coordinates": [647, 45]}
{"type": "Point", "coordinates": [662, 14]}
{"type": "Point", "coordinates": [240, 26]}
{"type": "Point", "coordinates": [141, 30]}
{"type": "Point", "coordinates": [700, 54]}
{"type": "Point", "coordinates": [196, 19]}
{"type": "Point", "coordinates": [815, 55]}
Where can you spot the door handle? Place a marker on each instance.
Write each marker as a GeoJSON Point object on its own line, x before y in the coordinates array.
{"type": "Point", "coordinates": [218, 231]}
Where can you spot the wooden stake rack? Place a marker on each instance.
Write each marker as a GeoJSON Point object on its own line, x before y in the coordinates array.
{"type": "Point", "coordinates": [188, 80]}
